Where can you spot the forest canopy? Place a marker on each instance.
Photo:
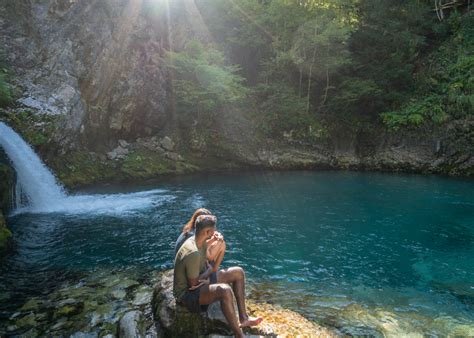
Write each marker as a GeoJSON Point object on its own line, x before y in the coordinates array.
{"type": "Point", "coordinates": [310, 68]}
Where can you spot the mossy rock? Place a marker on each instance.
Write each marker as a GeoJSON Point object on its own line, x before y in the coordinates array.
{"type": "Point", "coordinates": [7, 182]}
{"type": "Point", "coordinates": [27, 321]}
{"type": "Point", "coordinates": [69, 310]}
{"type": "Point", "coordinates": [36, 129]}
{"type": "Point", "coordinates": [31, 305]}
{"type": "Point", "coordinates": [5, 235]}
{"type": "Point", "coordinates": [144, 163]}
{"type": "Point", "coordinates": [82, 168]}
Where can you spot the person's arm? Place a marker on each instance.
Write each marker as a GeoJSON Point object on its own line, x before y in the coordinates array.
{"type": "Point", "coordinates": [205, 275]}
{"type": "Point", "coordinates": [192, 270]}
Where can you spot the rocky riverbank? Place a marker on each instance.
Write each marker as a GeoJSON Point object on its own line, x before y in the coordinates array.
{"type": "Point", "coordinates": [152, 157]}
{"type": "Point", "coordinates": [95, 305]}
{"type": "Point", "coordinates": [127, 304]}
{"type": "Point", "coordinates": [107, 303]}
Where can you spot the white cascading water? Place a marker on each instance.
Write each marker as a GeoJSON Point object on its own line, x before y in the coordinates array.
{"type": "Point", "coordinates": [44, 194]}
{"type": "Point", "coordinates": [33, 177]}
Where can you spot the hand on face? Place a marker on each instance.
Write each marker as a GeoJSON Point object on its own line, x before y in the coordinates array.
{"type": "Point", "coordinates": [218, 236]}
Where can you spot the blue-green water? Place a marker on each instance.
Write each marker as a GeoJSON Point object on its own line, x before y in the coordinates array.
{"type": "Point", "coordinates": [345, 249]}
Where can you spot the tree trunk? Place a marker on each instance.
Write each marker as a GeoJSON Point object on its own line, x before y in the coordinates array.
{"type": "Point", "coordinates": [301, 80]}
{"type": "Point", "coordinates": [325, 89]}
{"type": "Point", "coordinates": [309, 79]}
{"type": "Point", "coordinates": [327, 83]}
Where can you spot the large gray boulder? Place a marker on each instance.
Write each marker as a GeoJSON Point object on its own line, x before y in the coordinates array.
{"type": "Point", "coordinates": [173, 320]}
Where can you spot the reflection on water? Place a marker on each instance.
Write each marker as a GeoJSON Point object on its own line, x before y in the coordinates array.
{"type": "Point", "coordinates": [365, 253]}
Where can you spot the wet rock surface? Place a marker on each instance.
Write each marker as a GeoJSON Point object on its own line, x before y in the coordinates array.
{"type": "Point", "coordinates": [89, 308]}
{"type": "Point", "coordinates": [131, 325]}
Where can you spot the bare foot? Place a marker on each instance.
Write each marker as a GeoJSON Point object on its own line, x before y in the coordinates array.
{"type": "Point", "coordinates": [251, 321]}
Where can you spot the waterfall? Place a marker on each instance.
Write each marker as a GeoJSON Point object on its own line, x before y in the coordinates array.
{"type": "Point", "coordinates": [38, 191]}
{"type": "Point", "coordinates": [34, 180]}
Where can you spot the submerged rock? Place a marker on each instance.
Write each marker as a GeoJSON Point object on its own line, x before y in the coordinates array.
{"type": "Point", "coordinates": [119, 294]}
{"type": "Point", "coordinates": [84, 335]}
{"type": "Point", "coordinates": [131, 325]}
{"type": "Point", "coordinates": [89, 307]}
{"type": "Point", "coordinates": [143, 296]}
{"type": "Point", "coordinates": [284, 322]}
{"type": "Point", "coordinates": [69, 310]}
{"type": "Point", "coordinates": [31, 305]}
{"type": "Point", "coordinates": [28, 321]}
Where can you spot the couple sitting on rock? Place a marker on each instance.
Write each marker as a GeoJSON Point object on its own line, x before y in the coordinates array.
{"type": "Point", "coordinates": [198, 281]}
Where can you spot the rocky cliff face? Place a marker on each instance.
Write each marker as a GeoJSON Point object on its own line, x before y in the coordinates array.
{"type": "Point", "coordinates": [98, 64]}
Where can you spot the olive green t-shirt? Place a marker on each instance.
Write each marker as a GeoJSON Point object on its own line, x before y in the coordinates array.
{"type": "Point", "coordinates": [188, 263]}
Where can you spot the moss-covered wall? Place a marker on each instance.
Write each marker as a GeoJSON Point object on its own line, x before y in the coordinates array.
{"type": "Point", "coordinates": [5, 235]}
{"type": "Point", "coordinates": [78, 166]}
{"type": "Point", "coordinates": [7, 181]}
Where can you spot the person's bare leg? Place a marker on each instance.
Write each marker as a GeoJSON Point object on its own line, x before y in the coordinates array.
{"type": "Point", "coordinates": [223, 293]}
{"type": "Point", "coordinates": [236, 277]}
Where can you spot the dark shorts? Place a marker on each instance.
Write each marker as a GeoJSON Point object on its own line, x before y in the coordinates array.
{"type": "Point", "coordinates": [191, 298]}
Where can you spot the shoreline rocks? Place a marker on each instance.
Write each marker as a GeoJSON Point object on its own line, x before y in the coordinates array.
{"type": "Point", "coordinates": [85, 307]}
{"type": "Point", "coordinates": [88, 308]}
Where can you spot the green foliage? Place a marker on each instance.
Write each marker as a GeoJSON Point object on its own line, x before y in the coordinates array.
{"type": "Point", "coordinates": [388, 39]}
{"type": "Point", "coordinates": [289, 52]}
{"type": "Point", "coordinates": [356, 96]}
{"type": "Point", "coordinates": [282, 108]}
{"type": "Point", "coordinates": [320, 44]}
{"type": "Point", "coordinates": [5, 92]}
{"type": "Point", "coordinates": [144, 164]}
{"type": "Point", "coordinates": [445, 87]}
{"type": "Point", "coordinates": [415, 113]}
{"type": "Point", "coordinates": [338, 59]}
{"type": "Point", "coordinates": [203, 83]}
{"type": "Point", "coordinates": [284, 112]}
{"type": "Point", "coordinates": [81, 168]}
{"type": "Point", "coordinates": [36, 129]}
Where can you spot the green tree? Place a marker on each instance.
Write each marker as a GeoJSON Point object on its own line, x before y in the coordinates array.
{"type": "Point", "coordinates": [444, 89]}
{"type": "Point", "coordinates": [203, 84]}
{"type": "Point", "coordinates": [320, 50]}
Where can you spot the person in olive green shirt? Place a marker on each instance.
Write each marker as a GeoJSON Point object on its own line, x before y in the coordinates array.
{"type": "Point", "coordinates": [188, 264]}
{"type": "Point", "coordinates": [193, 287]}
